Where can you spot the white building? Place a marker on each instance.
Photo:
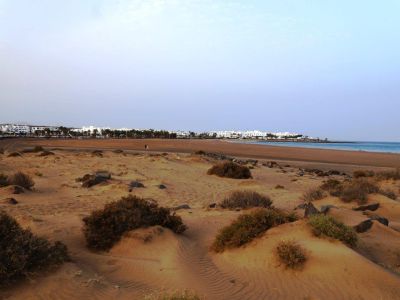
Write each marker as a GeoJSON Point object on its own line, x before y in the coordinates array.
{"type": "Point", "coordinates": [15, 128]}
{"type": "Point", "coordinates": [34, 128]}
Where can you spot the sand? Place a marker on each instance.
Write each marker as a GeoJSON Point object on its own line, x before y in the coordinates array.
{"type": "Point", "coordinates": [149, 261]}
{"type": "Point", "coordinates": [341, 157]}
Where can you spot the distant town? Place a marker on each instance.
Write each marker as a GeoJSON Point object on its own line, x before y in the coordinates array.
{"type": "Point", "coordinates": [44, 131]}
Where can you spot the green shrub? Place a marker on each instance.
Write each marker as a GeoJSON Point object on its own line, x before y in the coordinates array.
{"type": "Point", "coordinates": [230, 170]}
{"type": "Point", "coordinates": [245, 199]}
{"type": "Point", "coordinates": [22, 253]}
{"type": "Point", "coordinates": [291, 254]}
{"type": "Point", "coordinates": [313, 195]}
{"type": "Point", "coordinates": [327, 226]}
{"type": "Point", "coordinates": [103, 228]}
{"type": "Point", "coordinates": [249, 226]}
{"type": "Point", "coordinates": [21, 179]}
{"type": "Point", "coordinates": [358, 190]}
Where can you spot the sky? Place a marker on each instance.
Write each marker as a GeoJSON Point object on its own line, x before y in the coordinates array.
{"type": "Point", "coordinates": [321, 68]}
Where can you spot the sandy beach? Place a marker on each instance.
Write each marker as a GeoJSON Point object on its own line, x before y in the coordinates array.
{"type": "Point", "coordinates": [340, 157]}
{"type": "Point", "coordinates": [136, 268]}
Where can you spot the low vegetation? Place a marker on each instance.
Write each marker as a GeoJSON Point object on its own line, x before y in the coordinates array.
{"type": "Point", "coordinates": [333, 186]}
{"type": "Point", "coordinates": [248, 227]}
{"type": "Point", "coordinates": [35, 149]}
{"type": "Point", "coordinates": [388, 193]}
{"type": "Point", "coordinates": [389, 175]}
{"type": "Point", "coordinates": [23, 254]}
{"type": "Point", "coordinates": [184, 295]}
{"type": "Point", "coordinates": [46, 153]}
{"type": "Point", "coordinates": [3, 180]}
{"type": "Point", "coordinates": [327, 226]}
{"type": "Point", "coordinates": [291, 254]}
{"type": "Point", "coordinates": [230, 170]}
{"type": "Point", "coordinates": [103, 228]}
{"type": "Point", "coordinates": [313, 195]}
{"type": "Point", "coordinates": [14, 154]}
{"type": "Point", "coordinates": [382, 175]}
{"type": "Point", "coordinates": [358, 190]}
{"type": "Point", "coordinates": [21, 179]}
{"type": "Point", "coordinates": [245, 199]}
{"type": "Point", "coordinates": [352, 190]}
{"type": "Point", "coordinates": [363, 173]}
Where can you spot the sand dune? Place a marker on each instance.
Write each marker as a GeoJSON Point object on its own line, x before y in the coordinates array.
{"type": "Point", "coordinates": [152, 260]}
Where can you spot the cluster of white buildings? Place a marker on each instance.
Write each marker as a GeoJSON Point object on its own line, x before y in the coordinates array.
{"type": "Point", "coordinates": [19, 129]}
{"type": "Point", "coordinates": [255, 134]}
{"type": "Point", "coordinates": [25, 129]}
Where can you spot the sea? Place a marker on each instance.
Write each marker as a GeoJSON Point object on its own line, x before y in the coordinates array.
{"type": "Point", "coordinates": [385, 147]}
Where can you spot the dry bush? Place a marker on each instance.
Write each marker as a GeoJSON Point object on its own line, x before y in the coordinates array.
{"type": "Point", "coordinates": [389, 175]}
{"type": "Point", "coordinates": [291, 254]}
{"type": "Point", "coordinates": [230, 170]}
{"type": "Point", "coordinates": [279, 187]}
{"type": "Point", "coordinates": [35, 149]}
{"type": "Point", "coordinates": [249, 226]}
{"type": "Point", "coordinates": [358, 190]}
{"type": "Point", "coordinates": [21, 179]}
{"type": "Point", "coordinates": [3, 180]}
{"type": "Point", "coordinates": [14, 154]}
{"type": "Point", "coordinates": [23, 254]}
{"type": "Point", "coordinates": [183, 295]}
{"type": "Point", "coordinates": [46, 153]}
{"type": "Point", "coordinates": [331, 185]}
{"type": "Point", "coordinates": [98, 153]}
{"type": "Point", "coordinates": [363, 173]}
{"type": "Point", "coordinates": [313, 195]}
{"type": "Point", "coordinates": [245, 199]}
{"type": "Point", "coordinates": [200, 152]}
{"type": "Point", "coordinates": [388, 193]}
{"type": "Point", "coordinates": [103, 228]}
{"type": "Point", "coordinates": [323, 225]}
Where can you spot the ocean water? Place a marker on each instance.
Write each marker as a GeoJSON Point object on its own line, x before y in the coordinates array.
{"type": "Point", "coordinates": [388, 147]}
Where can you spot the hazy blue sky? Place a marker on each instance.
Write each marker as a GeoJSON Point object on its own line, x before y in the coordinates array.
{"type": "Point", "coordinates": [323, 68]}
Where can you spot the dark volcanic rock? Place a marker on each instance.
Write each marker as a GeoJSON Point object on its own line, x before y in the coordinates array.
{"type": "Point", "coordinates": [373, 206]}
{"type": "Point", "coordinates": [11, 201]}
{"type": "Point", "coordinates": [103, 174]}
{"type": "Point", "coordinates": [381, 220]}
{"type": "Point", "coordinates": [14, 189]}
{"type": "Point", "coordinates": [90, 180]}
{"type": "Point", "coordinates": [325, 208]}
{"type": "Point", "coordinates": [162, 187]}
{"type": "Point", "coordinates": [363, 226]}
{"type": "Point", "coordinates": [310, 210]}
{"type": "Point", "coordinates": [182, 206]}
{"type": "Point", "coordinates": [136, 184]}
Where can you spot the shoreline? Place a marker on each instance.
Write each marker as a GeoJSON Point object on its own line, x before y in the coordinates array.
{"type": "Point", "coordinates": [314, 155]}
{"type": "Point", "coordinates": [274, 144]}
